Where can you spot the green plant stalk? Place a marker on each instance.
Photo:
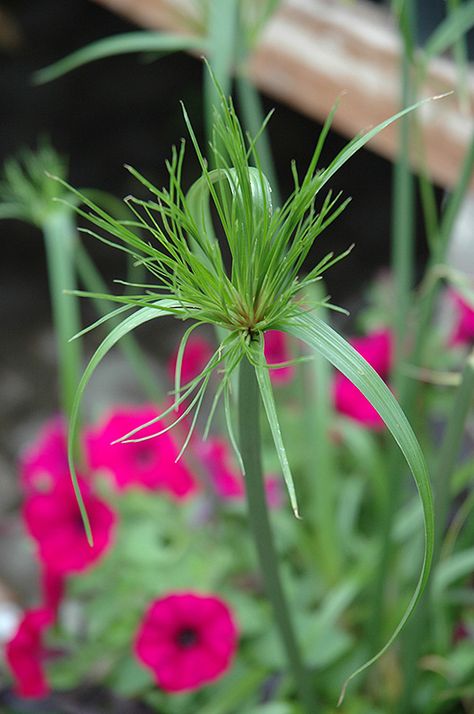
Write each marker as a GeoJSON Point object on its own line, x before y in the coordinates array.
{"type": "Point", "coordinates": [437, 257]}
{"type": "Point", "coordinates": [253, 116]}
{"type": "Point", "coordinates": [402, 269]}
{"type": "Point", "coordinates": [446, 464]}
{"type": "Point", "coordinates": [60, 239]}
{"type": "Point", "coordinates": [448, 454]}
{"type": "Point", "coordinates": [250, 446]}
{"type": "Point", "coordinates": [222, 25]}
{"type": "Point", "coordinates": [403, 222]}
{"type": "Point", "coordinates": [322, 476]}
{"type": "Point", "coordinates": [94, 283]}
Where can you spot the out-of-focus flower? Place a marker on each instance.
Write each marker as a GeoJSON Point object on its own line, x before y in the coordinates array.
{"type": "Point", "coordinates": [216, 456]}
{"type": "Point", "coordinates": [196, 355]}
{"type": "Point", "coordinates": [276, 351]}
{"type": "Point", "coordinates": [52, 587]}
{"type": "Point", "coordinates": [25, 652]}
{"type": "Point", "coordinates": [187, 640]}
{"type": "Point", "coordinates": [147, 464]}
{"type": "Point", "coordinates": [54, 521]}
{"type": "Point", "coordinates": [44, 462]}
{"type": "Point", "coordinates": [463, 332]}
{"type": "Point", "coordinates": [376, 348]}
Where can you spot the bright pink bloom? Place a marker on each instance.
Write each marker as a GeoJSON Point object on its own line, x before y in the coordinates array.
{"type": "Point", "coordinates": [54, 521]}
{"type": "Point", "coordinates": [276, 351]}
{"type": "Point", "coordinates": [147, 464]}
{"type": "Point", "coordinates": [376, 348]}
{"type": "Point", "coordinates": [25, 652]}
{"type": "Point", "coordinates": [44, 462]}
{"type": "Point", "coordinates": [187, 640]}
{"type": "Point", "coordinates": [52, 587]}
{"type": "Point", "coordinates": [463, 332]}
{"type": "Point", "coordinates": [216, 456]}
{"type": "Point", "coordinates": [197, 354]}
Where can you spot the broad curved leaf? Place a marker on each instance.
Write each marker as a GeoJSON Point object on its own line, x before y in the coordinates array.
{"type": "Point", "coordinates": [318, 335]}
{"type": "Point", "coordinates": [145, 314]}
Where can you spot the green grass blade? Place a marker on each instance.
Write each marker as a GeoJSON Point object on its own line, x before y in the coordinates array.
{"type": "Point", "coordinates": [318, 335]}
{"type": "Point", "coordinates": [356, 144]}
{"type": "Point", "coordinates": [127, 43]}
{"type": "Point", "coordinates": [143, 315]}
{"type": "Point", "coordinates": [448, 32]}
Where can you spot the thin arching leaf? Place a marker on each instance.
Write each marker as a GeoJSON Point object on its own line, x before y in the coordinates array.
{"type": "Point", "coordinates": [127, 43]}
{"type": "Point", "coordinates": [265, 386]}
{"type": "Point", "coordinates": [318, 335]}
{"type": "Point", "coordinates": [450, 30]}
{"type": "Point", "coordinates": [143, 315]}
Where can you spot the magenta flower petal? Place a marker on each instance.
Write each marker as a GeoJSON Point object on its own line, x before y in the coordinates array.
{"type": "Point", "coordinates": [463, 333]}
{"type": "Point", "coordinates": [147, 464]}
{"type": "Point", "coordinates": [376, 348]}
{"type": "Point", "coordinates": [54, 522]}
{"type": "Point", "coordinates": [217, 458]}
{"type": "Point", "coordinates": [44, 462]}
{"type": "Point", "coordinates": [24, 654]}
{"type": "Point", "coordinates": [187, 640]}
{"type": "Point", "coordinates": [52, 587]}
{"type": "Point", "coordinates": [276, 351]}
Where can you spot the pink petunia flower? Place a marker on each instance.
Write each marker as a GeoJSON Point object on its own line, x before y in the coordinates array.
{"type": "Point", "coordinates": [45, 462]}
{"type": "Point", "coordinates": [463, 333]}
{"type": "Point", "coordinates": [216, 456]}
{"type": "Point", "coordinates": [196, 355]}
{"type": "Point", "coordinates": [24, 654]}
{"type": "Point", "coordinates": [52, 588]}
{"type": "Point", "coordinates": [276, 351]}
{"type": "Point", "coordinates": [376, 348]}
{"type": "Point", "coordinates": [54, 522]}
{"type": "Point", "coordinates": [147, 464]}
{"type": "Point", "coordinates": [187, 640]}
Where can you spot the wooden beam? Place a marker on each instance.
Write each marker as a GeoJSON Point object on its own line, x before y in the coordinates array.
{"type": "Point", "coordinates": [313, 51]}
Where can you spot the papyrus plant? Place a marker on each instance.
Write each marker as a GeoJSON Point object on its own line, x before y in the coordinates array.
{"type": "Point", "coordinates": [222, 254]}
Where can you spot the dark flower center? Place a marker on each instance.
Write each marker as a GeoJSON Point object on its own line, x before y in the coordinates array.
{"type": "Point", "coordinates": [144, 456]}
{"type": "Point", "coordinates": [186, 637]}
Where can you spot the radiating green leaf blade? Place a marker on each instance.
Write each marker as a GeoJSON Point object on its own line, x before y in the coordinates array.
{"type": "Point", "coordinates": [127, 43]}
{"type": "Point", "coordinates": [265, 386]}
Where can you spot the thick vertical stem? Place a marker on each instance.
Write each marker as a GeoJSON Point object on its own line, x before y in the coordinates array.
{"type": "Point", "coordinates": [60, 235]}
{"type": "Point", "coordinates": [249, 430]}
{"type": "Point", "coordinates": [402, 266]}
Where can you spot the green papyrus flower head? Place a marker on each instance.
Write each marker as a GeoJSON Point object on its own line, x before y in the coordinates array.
{"type": "Point", "coordinates": [222, 254]}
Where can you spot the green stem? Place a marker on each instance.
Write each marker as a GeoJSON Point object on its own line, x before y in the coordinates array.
{"type": "Point", "coordinates": [448, 454]}
{"type": "Point", "coordinates": [93, 282]}
{"type": "Point", "coordinates": [402, 267]}
{"type": "Point", "coordinates": [222, 24]}
{"type": "Point", "coordinates": [249, 430]}
{"type": "Point", "coordinates": [437, 257]}
{"type": "Point", "coordinates": [60, 238]}
{"type": "Point", "coordinates": [322, 476]}
{"type": "Point", "coordinates": [446, 464]}
{"type": "Point", "coordinates": [253, 116]}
